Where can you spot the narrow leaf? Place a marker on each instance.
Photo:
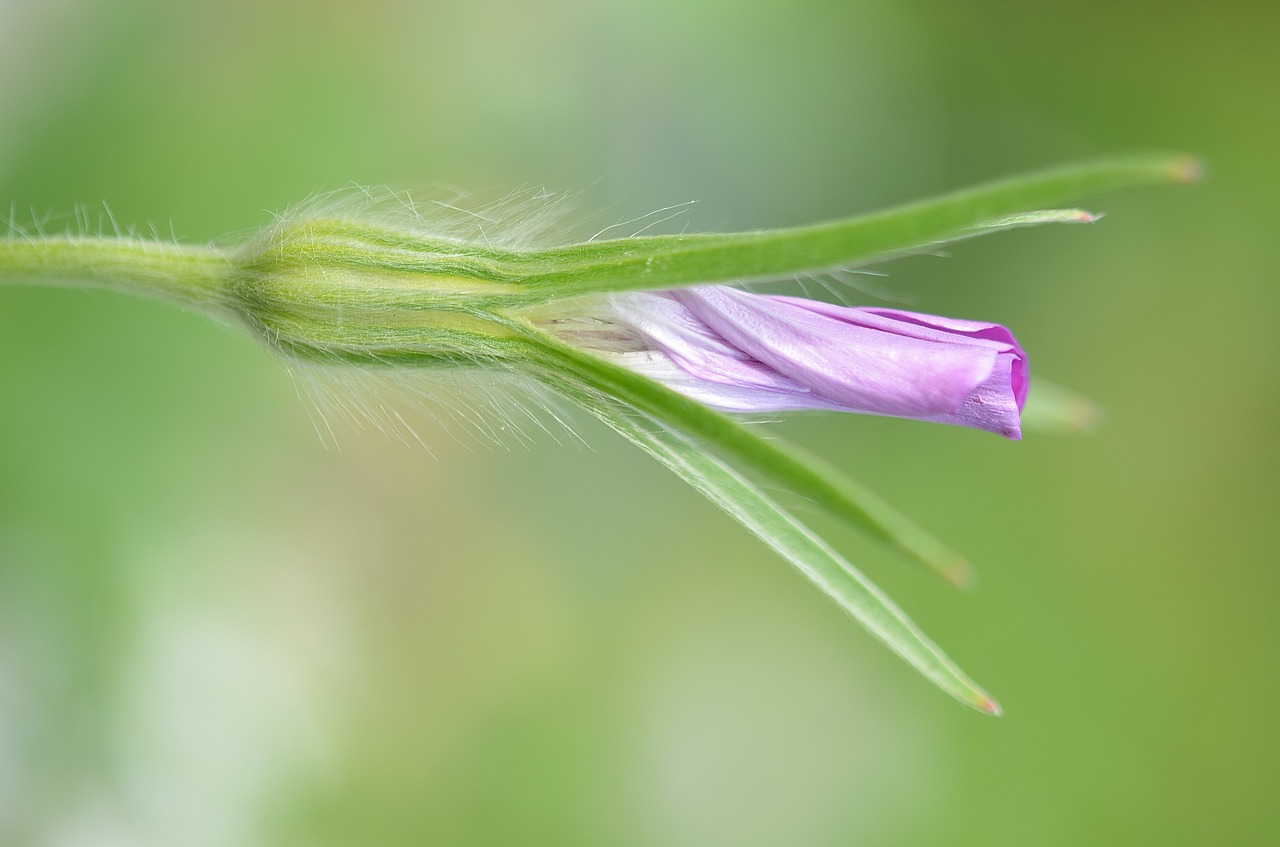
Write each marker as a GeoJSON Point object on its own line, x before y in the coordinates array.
{"type": "Point", "coordinates": [671, 261]}
{"type": "Point", "coordinates": [774, 460]}
{"type": "Point", "coordinates": [824, 567]}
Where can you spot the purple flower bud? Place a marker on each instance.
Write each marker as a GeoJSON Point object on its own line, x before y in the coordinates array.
{"type": "Point", "coordinates": [743, 352]}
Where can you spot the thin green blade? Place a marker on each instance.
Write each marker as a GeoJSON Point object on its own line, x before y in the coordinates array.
{"type": "Point", "coordinates": [825, 568]}
{"type": "Point", "coordinates": [773, 460]}
{"type": "Point", "coordinates": [671, 261]}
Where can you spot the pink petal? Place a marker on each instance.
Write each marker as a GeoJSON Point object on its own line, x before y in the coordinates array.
{"type": "Point", "coordinates": [759, 353]}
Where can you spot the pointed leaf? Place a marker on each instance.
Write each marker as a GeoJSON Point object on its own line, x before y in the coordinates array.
{"type": "Point", "coordinates": [824, 567]}
{"type": "Point", "coordinates": [660, 262]}
{"type": "Point", "coordinates": [780, 463]}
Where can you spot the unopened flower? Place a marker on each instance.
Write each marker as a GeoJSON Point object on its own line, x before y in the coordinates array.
{"type": "Point", "coordinates": [741, 352]}
{"type": "Point", "coordinates": [615, 327]}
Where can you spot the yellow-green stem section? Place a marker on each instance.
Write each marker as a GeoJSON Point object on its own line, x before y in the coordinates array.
{"type": "Point", "coordinates": [196, 275]}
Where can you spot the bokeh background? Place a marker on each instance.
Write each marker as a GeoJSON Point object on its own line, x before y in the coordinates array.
{"type": "Point", "coordinates": [216, 630]}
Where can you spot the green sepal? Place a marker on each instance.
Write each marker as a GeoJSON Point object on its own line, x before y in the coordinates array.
{"type": "Point", "coordinates": [660, 262]}
{"type": "Point", "coordinates": [818, 562]}
{"type": "Point", "coordinates": [773, 459]}
{"type": "Point", "coordinates": [479, 276]}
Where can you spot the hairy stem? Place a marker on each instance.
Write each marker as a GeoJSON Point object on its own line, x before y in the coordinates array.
{"type": "Point", "coordinates": [193, 275]}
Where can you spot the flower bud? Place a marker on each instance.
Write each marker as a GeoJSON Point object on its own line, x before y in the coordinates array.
{"type": "Point", "coordinates": [752, 353]}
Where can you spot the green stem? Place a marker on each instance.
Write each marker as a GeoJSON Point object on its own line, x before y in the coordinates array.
{"type": "Point", "coordinates": [192, 275]}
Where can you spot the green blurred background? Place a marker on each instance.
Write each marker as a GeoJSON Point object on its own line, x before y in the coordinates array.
{"type": "Point", "coordinates": [214, 630]}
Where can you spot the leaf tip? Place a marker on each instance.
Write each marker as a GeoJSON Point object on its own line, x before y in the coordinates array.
{"type": "Point", "coordinates": [1056, 410]}
{"type": "Point", "coordinates": [988, 706]}
{"type": "Point", "coordinates": [957, 571]}
{"type": "Point", "coordinates": [1186, 169]}
{"type": "Point", "coordinates": [1082, 416]}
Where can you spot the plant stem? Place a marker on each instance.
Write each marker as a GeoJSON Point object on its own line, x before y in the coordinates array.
{"type": "Point", "coordinates": [191, 275]}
